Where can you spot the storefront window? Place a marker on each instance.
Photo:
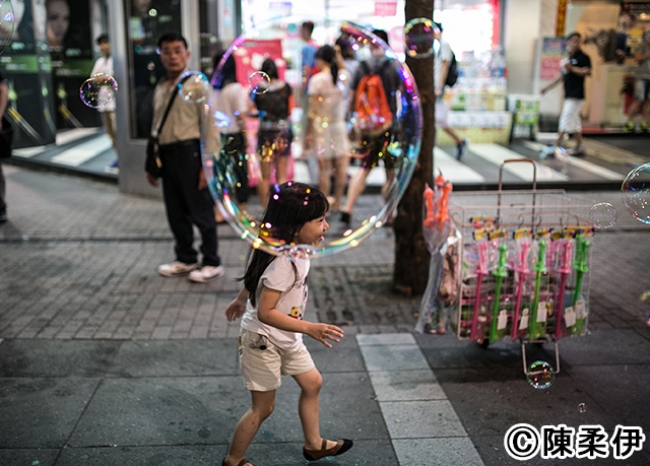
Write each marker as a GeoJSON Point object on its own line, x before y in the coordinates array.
{"type": "Point", "coordinates": [147, 20]}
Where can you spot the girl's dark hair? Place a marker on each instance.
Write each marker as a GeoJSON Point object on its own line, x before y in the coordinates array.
{"type": "Point", "coordinates": [289, 207]}
{"type": "Point", "coordinates": [269, 67]}
{"type": "Point", "coordinates": [228, 71]}
{"type": "Point", "coordinates": [328, 55]}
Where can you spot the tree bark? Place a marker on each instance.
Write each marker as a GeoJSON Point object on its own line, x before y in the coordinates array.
{"type": "Point", "coordinates": [411, 271]}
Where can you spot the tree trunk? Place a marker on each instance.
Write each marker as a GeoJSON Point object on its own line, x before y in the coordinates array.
{"type": "Point", "coordinates": [411, 271]}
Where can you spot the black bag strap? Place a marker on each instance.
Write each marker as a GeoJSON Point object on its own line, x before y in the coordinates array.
{"type": "Point", "coordinates": [169, 105]}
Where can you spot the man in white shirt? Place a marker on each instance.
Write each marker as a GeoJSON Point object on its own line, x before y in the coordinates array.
{"type": "Point", "coordinates": [104, 65]}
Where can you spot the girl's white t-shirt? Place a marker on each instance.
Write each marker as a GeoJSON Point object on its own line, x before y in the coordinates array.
{"type": "Point", "coordinates": [289, 276]}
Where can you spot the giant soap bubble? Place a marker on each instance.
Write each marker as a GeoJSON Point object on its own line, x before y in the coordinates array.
{"type": "Point", "coordinates": [274, 135]}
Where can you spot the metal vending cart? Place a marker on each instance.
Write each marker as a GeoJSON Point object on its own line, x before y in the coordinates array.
{"type": "Point", "coordinates": [522, 268]}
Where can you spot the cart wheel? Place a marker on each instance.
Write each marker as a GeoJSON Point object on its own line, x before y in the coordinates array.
{"type": "Point", "coordinates": [483, 342]}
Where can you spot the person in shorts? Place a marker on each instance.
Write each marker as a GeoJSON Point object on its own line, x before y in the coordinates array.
{"type": "Point", "coordinates": [575, 68]}
{"type": "Point", "coordinates": [641, 103]}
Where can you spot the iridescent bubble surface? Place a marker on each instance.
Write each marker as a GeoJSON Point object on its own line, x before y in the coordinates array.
{"type": "Point", "coordinates": [98, 90]}
{"type": "Point", "coordinates": [259, 82]}
{"type": "Point", "coordinates": [635, 191]}
{"type": "Point", "coordinates": [194, 87]}
{"type": "Point", "coordinates": [399, 144]}
{"type": "Point", "coordinates": [603, 215]}
{"type": "Point", "coordinates": [418, 38]}
{"type": "Point", "coordinates": [540, 375]}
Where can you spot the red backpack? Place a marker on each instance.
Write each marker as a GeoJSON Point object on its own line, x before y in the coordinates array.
{"type": "Point", "coordinates": [373, 114]}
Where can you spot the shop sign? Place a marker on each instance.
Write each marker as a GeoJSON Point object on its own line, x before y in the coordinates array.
{"type": "Point", "coordinates": [385, 8]}
{"type": "Point", "coordinates": [552, 53]}
{"type": "Point", "coordinates": [283, 8]}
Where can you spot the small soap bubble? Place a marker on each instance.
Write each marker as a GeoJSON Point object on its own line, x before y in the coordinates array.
{"type": "Point", "coordinates": [540, 375]}
{"type": "Point", "coordinates": [193, 87]}
{"type": "Point", "coordinates": [635, 191]}
{"type": "Point", "coordinates": [603, 215]}
{"type": "Point", "coordinates": [582, 408]}
{"type": "Point", "coordinates": [259, 83]}
{"type": "Point", "coordinates": [98, 90]}
{"type": "Point", "coordinates": [418, 37]}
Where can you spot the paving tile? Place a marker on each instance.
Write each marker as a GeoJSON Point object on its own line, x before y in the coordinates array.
{"type": "Point", "coordinates": [41, 412]}
{"type": "Point", "coordinates": [386, 340]}
{"type": "Point", "coordinates": [54, 358]}
{"type": "Point", "coordinates": [454, 451]}
{"type": "Point", "coordinates": [175, 358]}
{"type": "Point", "coordinates": [35, 456]}
{"type": "Point", "coordinates": [415, 385]}
{"type": "Point", "coordinates": [421, 419]}
{"type": "Point", "coordinates": [393, 358]}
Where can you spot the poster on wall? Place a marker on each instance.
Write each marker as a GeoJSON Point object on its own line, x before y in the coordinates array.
{"type": "Point", "coordinates": [69, 43]}
{"type": "Point", "coordinates": [636, 17]}
{"type": "Point", "coordinates": [252, 53]}
{"type": "Point", "coordinates": [26, 64]}
{"type": "Point", "coordinates": [552, 52]}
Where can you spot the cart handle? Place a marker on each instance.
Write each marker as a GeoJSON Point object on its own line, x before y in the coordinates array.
{"type": "Point", "coordinates": [526, 160]}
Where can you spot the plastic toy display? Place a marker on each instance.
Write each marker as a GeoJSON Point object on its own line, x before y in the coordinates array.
{"type": "Point", "coordinates": [519, 262]}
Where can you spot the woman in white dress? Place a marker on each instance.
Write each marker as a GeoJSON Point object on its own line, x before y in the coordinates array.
{"type": "Point", "coordinates": [326, 133]}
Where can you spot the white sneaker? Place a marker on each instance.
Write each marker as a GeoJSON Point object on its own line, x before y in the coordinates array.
{"type": "Point", "coordinates": [206, 273]}
{"type": "Point", "coordinates": [175, 269]}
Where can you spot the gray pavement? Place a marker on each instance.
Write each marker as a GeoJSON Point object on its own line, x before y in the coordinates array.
{"type": "Point", "coordinates": [104, 362]}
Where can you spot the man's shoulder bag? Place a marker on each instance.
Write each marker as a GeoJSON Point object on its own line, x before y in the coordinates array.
{"type": "Point", "coordinates": [153, 162]}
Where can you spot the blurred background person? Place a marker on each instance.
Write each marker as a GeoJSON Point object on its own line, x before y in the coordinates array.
{"type": "Point", "coordinates": [231, 103]}
{"type": "Point", "coordinates": [274, 136]}
{"type": "Point", "coordinates": [104, 65]}
{"type": "Point", "coordinates": [641, 103]}
{"type": "Point", "coordinates": [327, 137]}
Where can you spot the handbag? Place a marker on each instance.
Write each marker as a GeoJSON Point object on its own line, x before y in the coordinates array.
{"type": "Point", "coordinates": [153, 162]}
{"type": "Point", "coordinates": [6, 138]}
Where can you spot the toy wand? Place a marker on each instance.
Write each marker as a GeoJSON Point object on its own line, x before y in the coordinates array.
{"type": "Point", "coordinates": [522, 270]}
{"type": "Point", "coordinates": [580, 266]}
{"type": "Point", "coordinates": [480, 272]}
{"type": "Point", "coordinates": [565, 270]}
{"type": "Point", "coordinates": [500, 272]}
{"type": "Point", "coordinates": [539, 269]}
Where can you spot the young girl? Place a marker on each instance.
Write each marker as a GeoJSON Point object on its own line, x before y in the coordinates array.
{"type": "Point", "coordinates": [273, 303]}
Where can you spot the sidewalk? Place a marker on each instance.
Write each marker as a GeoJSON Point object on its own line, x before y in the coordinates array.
{"type": "Point", "coordinates": [104, 362]}
{"type": "Point", "coordinates": [609, 159]}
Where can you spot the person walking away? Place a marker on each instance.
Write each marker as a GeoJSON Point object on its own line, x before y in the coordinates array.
{"type": "Point", "coordinates": [273, 303]}
{"type": "Point", "coordinates": [4, 97]}
{"type": "Point", "coordinates": [308, 68]}
{"type": "Point", "coordinates": [274, 136]}
{"type": "Point", "coordinates": [442, 63]}
{"type": "Point", "coordinates": [641, 103]}
{"type": "Point", "coordinates": [575, 67]}
{"type": "Point", "coordinates": [104, 65]}
{"type": "Point", "coordinates": [231, 100]}
{"type": "Point", "coordinates": [327, 135]}
{"type": "Point", "coordinates": [187, 199]}
{"type": "Point", "coordinates": [374, 142]}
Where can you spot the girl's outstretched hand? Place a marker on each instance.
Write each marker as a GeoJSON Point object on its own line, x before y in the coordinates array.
{"type": "Point", "coordinates": [235, 310]}
{"type": "Point", "coordinates": [324, 332]}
